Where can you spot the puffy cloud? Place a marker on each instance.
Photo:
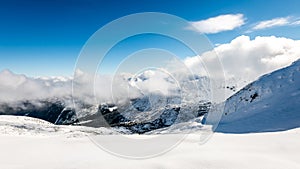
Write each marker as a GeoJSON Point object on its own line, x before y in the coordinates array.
{"type": "Point", "coordinates": [154, 81]}
{"type": "Point", "coordinates": [86, 87]}
{"type": "Point", "coordinates": [244, 60]}
{"type": "Point", "coordinates": [219, 23]}
{"type": "Point", "coordinates": [15, 87]}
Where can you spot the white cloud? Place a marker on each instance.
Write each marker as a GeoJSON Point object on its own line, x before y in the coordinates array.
{"type": "Point", "coordinates": [296, 22]}
{"type": "Point", "coordinates": [276, 22]}
{"type": "Point", "coordinates": [272, 23]}
{"type": "Point", "coordinates": [15, 87]}
{"type": "Point", "coordinates": [86, 87]}
{"type": "Point", "coordinates": [219, 23]}
{"type": "Point", "coordinates": [244, 60]}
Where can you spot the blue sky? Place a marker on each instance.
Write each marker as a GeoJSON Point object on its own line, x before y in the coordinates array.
{"type": "Point", "coordinates": [44, 38]}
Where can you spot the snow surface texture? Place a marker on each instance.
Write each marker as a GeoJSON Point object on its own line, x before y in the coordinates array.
{"type": "Point", "coordinates": [268, 104]}
{"type": "Point", "coordinates": [27, 126]}
{"type": "Point", "coordinates": [278, 150]}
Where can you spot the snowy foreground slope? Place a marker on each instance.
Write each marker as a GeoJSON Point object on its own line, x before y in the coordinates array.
{"type": "Point", "coordinates": [27, 126]}
{"type": "Point", "coordinates": [276, 150]}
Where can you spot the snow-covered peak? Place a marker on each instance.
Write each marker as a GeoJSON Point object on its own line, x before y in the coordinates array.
{"type": "Point", "coordinates": [269, 104]}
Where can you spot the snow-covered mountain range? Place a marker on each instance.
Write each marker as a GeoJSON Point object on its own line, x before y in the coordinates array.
{"type": "Point", "coordinates": [269, 104]}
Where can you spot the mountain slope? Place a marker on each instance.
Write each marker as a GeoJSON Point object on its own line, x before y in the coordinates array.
{"type": "Point", "coordinates": [269, 104]}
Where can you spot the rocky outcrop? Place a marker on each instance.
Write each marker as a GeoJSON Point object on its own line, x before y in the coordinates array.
{"type": "Point", "coordinates": [166, 119]}
{"type": "Point", "coordinates": [50, 110]}
{"type": "Point", "coordinates": [104, 115]}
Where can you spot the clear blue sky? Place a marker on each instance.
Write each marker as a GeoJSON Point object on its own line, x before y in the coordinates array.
{"type": "Point", "coordinates": [44, 38]}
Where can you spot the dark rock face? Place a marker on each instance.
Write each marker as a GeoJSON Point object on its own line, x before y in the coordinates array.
{"type": "Point", "coordinates": [141, 104]}
{"type": "Point", "coordinates": [204, 108]}
{"type": "Point", "coordinates": [52, 111]}
{"type": "Point", "coordinates": [166, 119]}
{"type": "Point", "coordinates": [107, 115]}
{"type": "Point", "coordinates": [233, 88]}
{"type": "Point", "coordinates": [67, 116]}
{"type": "Point", "coordinates": [253, 96]}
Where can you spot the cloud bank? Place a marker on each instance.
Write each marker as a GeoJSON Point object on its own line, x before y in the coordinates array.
{"type": "Point", "coordinates": [88, 88]}
{"type": "Point", "coordinates": [15, 87]}
{"type": "Point", "coordinates": [219, 23]}
{"type": "Point", "coordinates": [244, 60]}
